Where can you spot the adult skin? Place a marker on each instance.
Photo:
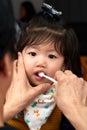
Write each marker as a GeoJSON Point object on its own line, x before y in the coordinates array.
{"type": "Point", "coordinates": [20, 93]}
{"type": "Point", "coordinates": [71, 98]}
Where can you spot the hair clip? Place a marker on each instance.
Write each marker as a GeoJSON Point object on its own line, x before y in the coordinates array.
{"type": "Point", "coordinates": [51, 11]}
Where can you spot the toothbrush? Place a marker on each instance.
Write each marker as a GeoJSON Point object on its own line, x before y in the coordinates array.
{"type": "Point", "coordinates": [41, 74]}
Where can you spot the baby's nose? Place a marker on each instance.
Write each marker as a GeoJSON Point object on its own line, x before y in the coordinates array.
{"type": "Point", "coordinates": [41, 62]}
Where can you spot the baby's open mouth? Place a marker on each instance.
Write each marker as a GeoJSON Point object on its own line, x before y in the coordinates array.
{"type": "Point", "coordinates": [43, 75]}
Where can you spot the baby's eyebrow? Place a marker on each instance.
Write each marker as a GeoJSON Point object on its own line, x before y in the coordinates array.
{"type": "Point", "coordinates": [28, 47]}
{"type": "Point", "coordinates": [51, 50]}
{"type": "Point", "coordinates": [35, 47]}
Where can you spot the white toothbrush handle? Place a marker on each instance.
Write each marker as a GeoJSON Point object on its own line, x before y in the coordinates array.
{"type": "Point", "coordinates": [51, 79]}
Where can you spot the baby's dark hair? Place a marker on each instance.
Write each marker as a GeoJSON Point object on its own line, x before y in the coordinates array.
{"type": "Point", "coordinates": [44, 27]}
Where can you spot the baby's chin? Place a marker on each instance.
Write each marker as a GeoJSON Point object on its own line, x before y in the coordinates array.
{"type": "Point", "coordinates": [35, 85]}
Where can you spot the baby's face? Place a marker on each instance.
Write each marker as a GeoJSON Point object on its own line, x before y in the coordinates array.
{"type": "Point", "coordinates": [41, 58]}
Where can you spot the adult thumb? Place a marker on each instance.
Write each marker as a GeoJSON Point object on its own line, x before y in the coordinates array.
{"type": "Point", "coordinates": [42, 88]}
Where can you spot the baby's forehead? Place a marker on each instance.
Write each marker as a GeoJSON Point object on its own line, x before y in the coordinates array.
{"type": "Point", "coordinates": [43, 46]}
{"type": "Point", "coordinates": [43, 42]}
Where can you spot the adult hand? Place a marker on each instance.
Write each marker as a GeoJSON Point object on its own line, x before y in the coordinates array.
{"type": "Point", "coordinates": [71, 98]}
{"type": "Point", "coordinates": [20, 93]}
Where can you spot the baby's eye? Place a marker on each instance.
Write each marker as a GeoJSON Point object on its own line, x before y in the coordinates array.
{"type": "Point", "coordinates": [52, 56]}
{"type": "Point", "coordinates": [32, 53]}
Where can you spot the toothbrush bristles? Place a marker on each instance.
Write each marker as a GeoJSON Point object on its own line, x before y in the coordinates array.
{"type": "Point", "coordinates": [41, 74]}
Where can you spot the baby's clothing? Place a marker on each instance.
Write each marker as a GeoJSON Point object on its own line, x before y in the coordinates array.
{"type": "Point", "coordinates": [37, 113]}
{"type": "Point", "coordinates": [53, 122]}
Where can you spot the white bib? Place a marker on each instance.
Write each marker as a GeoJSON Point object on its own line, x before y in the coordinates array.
{"type": "Point", "coordinates": [37, 113]}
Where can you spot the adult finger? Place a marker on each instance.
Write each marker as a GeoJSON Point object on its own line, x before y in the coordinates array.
{"type": "Point", "coordinates": [68, 72]}
{"type": "Point", "coordinates": [14, 68]}
{"type": "Point", "coordinates": [21, 69]}
{"type": "Point", "coordinates": [59, 75]}
{"type": "Point", "coordinates": [41, 88]}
